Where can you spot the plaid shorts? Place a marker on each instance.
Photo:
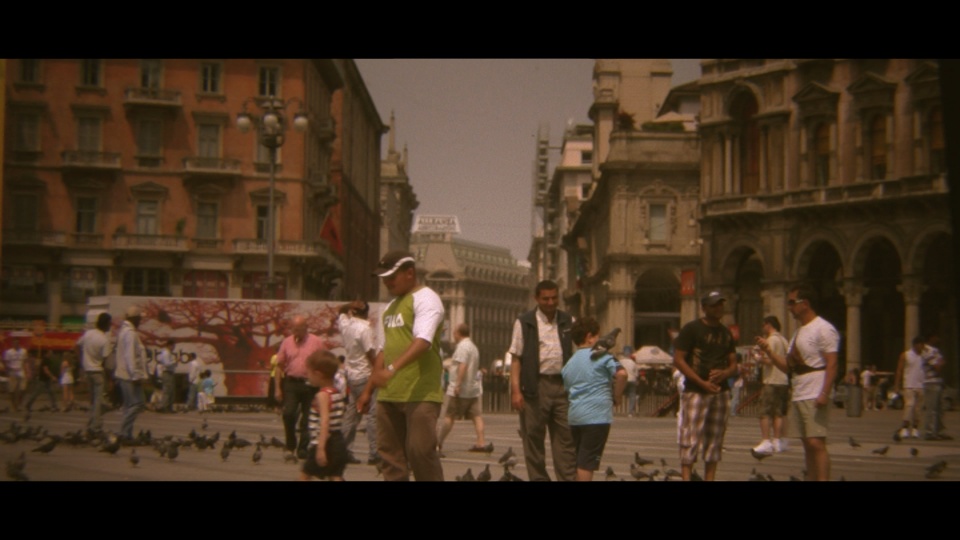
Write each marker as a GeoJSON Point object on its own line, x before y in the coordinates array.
{"type": "Point", "coordinates": [703, 422]}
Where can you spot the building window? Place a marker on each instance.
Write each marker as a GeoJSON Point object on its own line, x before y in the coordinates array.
{"type": "Point", "coordinates": [207, 213]}
{"type": "Point", "coordinates": [210, 77]}
{"type": "Point", "coordinates": [878, 147]}
{"type": "Point", "coordinates": [208, 137]}
{"type": "Point", "coordinates": [150, 73]}
{"type": "Point", "coordinates": [938, 157]}
{"type": "Point", "coordinates": [29, 71]}
{"type": "Point", "coordinates": [27, 136]}
{"type": "Point", "coordinates": [88, 133]}
{"type": "Point", "coordinates": [84, 282]}
{"type": "Point", "coordinates": [584, 191]}
{"type": "Point", "coordinates": [146, 282]}
{"type": "Point", "coordinates": [147, 217]}
{"type": "Point", "coordinates": [255, 287]}
{"type": "Point", "coordinates": [90, 73]}
{"type": "Point", "coordinates": [149, 133]}
{"type": "Point", "coordinates": [746, 111]}
{"type": "Point", "coordinates": [658, 223]}
{"type": "Point", "coordinates": [821, 145]}
{"type": "Point", "coordinates": [205, 284]}
{"type": "Point", "coordinates": [86, 215]}
{"type": "Point", "coordinates": [25, 210]}
{"type": "Point", "coordinates": [263, 211]}
{"type": "Point", "coordinates": [24, 283]}
{"type": "Point", "coordinates": [586, 157]}
{"type": "Point", "coordinates": [269, 81]}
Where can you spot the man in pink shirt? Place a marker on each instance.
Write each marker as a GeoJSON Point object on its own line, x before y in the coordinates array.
{"type": "Point", "coordinates": [292, 387]}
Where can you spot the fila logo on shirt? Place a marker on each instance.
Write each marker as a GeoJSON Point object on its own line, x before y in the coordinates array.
{"type": "Point", "coordinates": [393, 321]}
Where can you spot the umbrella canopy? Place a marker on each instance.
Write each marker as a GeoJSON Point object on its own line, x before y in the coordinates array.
{"type": "Point", "coordinates": [649, 354]}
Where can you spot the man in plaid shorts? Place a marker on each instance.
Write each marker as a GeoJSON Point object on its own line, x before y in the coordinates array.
{"type": "Point", "coordinates": [706, 355]}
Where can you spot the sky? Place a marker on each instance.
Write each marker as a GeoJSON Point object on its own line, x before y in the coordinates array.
{"type": "Point", "coordinates": [470, 127]}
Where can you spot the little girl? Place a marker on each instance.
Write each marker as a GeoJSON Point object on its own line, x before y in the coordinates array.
{"type": "Point", "coordinates": [205, 396]}
{"type": "Point", "coordinates": [66, 382]}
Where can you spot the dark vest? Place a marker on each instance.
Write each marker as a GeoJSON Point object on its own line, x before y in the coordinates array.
{"type": "Point", "coordinates": [530, 357]}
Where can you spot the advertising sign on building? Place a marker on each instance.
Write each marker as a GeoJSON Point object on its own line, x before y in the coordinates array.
{"type": "Point", "coordinates": [688, 283]}
{"type": "Point", "coordinates": [436, 224]}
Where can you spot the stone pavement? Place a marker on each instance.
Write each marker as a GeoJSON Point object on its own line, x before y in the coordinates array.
{"type": "Point", "coordinates": [652, 438]}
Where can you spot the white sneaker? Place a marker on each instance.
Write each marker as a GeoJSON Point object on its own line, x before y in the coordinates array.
{"type": "Point", "coordinates": [784, 445]}
{"type": "Point", "coordinates": [904, 433]}
{"type": "Point", "coordinates": [765, 447]}
{"type": "Point", "coordinates": [915, 434]}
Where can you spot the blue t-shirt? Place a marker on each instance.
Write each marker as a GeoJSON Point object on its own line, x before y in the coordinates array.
{"type": "Point", "coordinates": [589, 385]}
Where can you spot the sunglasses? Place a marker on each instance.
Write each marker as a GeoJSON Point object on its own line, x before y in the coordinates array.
{"type": "Point", "coordinates": [795, 302]}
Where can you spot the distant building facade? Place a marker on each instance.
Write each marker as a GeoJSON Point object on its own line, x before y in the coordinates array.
{"type": "Point", "coordinates": [480, 285]}
{"type": "Point", "coordinates": [830, 171]}
{"type": "Point", "coordinates": [397, 201]}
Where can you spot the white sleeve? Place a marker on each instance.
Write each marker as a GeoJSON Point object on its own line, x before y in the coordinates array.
{"type": "Point", "coordinates": [427, 314]}
{"type": "Point", "coordinates": [366, 338]}
{"type": "Point", "coordinates": [459, 355]}
{"type": "Point", "coordinates": [516, 342]}
{"type": "Point", "coordinates": [829, 340]}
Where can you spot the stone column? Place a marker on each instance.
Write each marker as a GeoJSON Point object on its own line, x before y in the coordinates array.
{"type": "Point", "coordinates": [912, 289]}
{"type": "Point", "coordinates": [774, 296]}
{"type": "Point", "coordinates": [54, 284]}
{"type": "Point", "coordinates": [727, 165]}
{"type": "Point", "coordinates": [853, 292]}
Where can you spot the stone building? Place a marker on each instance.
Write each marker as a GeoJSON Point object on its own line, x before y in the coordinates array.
{"type": "Point", "coordinates": [397, 201]}
{"type": "Point", "coordinates": [831, 171]}
{"type": "Point", "coordinates": [480, 285]}
{"type": "Point", "coordinates": [635, 239]}
{"type": "Point", "coordinates": [130, 177]}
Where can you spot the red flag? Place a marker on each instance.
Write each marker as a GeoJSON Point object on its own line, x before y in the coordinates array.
{"type": "Point", "coordinates": [331, 233]}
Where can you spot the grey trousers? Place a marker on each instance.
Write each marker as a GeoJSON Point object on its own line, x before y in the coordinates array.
{"type": "Point", "coordinates": [548, 412]}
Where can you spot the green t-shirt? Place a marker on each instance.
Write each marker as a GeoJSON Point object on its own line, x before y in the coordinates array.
{"type": "Point", "coordinates": [418, 314]}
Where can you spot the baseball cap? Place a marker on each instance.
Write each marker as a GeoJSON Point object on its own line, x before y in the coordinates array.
{"type": "Point", "coordinates": [391, 262]}
{"type": "Point", "coordinates": [712, 298]}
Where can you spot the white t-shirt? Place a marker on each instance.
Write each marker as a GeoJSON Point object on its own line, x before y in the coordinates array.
{"type": "Point", "coordinates": [14, 359]}
{"type": "Point", "coordinates": [466, 353]}
{"type": "Point", "coordinates": [357, 340]}
{"type": "Point", "coordinates": [913, 368]}
{"type": "Point", "coordinates": [813, 340]}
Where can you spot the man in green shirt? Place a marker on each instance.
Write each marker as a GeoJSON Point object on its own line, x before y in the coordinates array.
{"type": "Point", "coordinates": [407, 369]}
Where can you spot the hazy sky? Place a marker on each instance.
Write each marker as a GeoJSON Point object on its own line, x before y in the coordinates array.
{"type": "Point", "coordinates": [470, 127]}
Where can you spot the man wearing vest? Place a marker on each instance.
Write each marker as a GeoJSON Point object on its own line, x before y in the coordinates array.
{"type": "Point", "coordinates": [407, 370]}
{"type": "Point", "coordinates": [540, 347]}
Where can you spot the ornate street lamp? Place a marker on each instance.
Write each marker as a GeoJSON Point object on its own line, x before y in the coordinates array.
{"type": "Point", "coordinates": [273, 124]}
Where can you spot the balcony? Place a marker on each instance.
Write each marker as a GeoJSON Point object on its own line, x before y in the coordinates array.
{"type": "Point", "coordinates": [157, 98]}
{"type": "Point", "coordinates": [87, 240]}
{"type": "Point", "coordinates": [290, 248]}
{"type": "Point", "coordinates": [759, 203]}
{"type": "Point", "coordinates": [14, 237]}
{"type": "Point", "coordinates": [208, 244]}
{"type": "Point", "coordinates": [149, 242]}
{"type": "Point", "coordinates": [90, 161]}
{"type": "Point", "coordinates": [211, 166]}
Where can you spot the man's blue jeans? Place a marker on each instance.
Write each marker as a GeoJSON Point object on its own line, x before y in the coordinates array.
{"type": "Point", "coordinates": [134, 403]}
{"type": "Point", "coordinates": [351, 418]}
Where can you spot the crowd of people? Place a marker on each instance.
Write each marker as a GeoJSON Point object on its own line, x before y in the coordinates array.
{"type": "Point", "coordinates": [564, 382]}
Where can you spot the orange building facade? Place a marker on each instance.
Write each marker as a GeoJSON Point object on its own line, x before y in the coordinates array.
{"type": "Point", "coordinates": [130, 177]}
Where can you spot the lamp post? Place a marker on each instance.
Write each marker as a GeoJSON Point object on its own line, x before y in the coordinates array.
{"type": "Point", "coordinates": [272, 125]}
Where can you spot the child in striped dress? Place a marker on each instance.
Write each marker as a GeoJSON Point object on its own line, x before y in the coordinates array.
{"type": "Point", "coordinates": [327, 453]}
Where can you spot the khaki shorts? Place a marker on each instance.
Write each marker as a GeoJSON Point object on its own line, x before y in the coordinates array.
{"type": "Point", "coordinates": [15, 383]}
{"type": "Point", "coordinates": [807, 420]}
{"type": "Point", "coordinates": [774, 399]}
{"type": "Point", "coordinates": [468, 408]}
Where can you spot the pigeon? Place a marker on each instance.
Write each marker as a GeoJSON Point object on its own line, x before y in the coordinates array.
{"type": "Point", "coordinates": [172, 453]}
{"type": "Point", "coordinates": [605, 344]}
{"type": "Point", "coordinates": [257, 455]}
{"type": "Point", "coordinates": [663, 462]}
{"type": "Point", "coordinates": [111, 444]}
{"type": "Point", "coordinates": [854, 443]}
{"type": "Point", "coordinates": [638, 474]}
{"type": "Point", "coordinates": [467, 477]}
{"type": "Point", "coordinates": [485, 474]}
{"type": "Point", "coordinates": [695, 476]}
{"type": "Point", "coordinates": [673, 473]}
{"type": "Point", "coordinates": [509, 477]}
{"type": "Point", "coordinates": [933, 471]}
{"type": "Point", "coordinates": [794, 479]}
{"type": "Point", "coordinates": [276, 443]}
{"type": "Point", "coordinates": [640, 461]}
{"type": "Point", "coordinates": [510, 463]}
{"type": "Point", "coordinates": [241, 443]}
{"type": "Point", "coordinates": [15, 468]}
{"type": "Point", "coordinates": [880, 451]}
{"type": "Point", "coordinates": [288, 457]}
{"type": "Point", "coordinates": [134, 458]}
{"type": "Point", "coordinates": [914, 452]}
{"type": "Point", "coordinates": [225, 452]}
{"type": "Point", "coordinates": [896, 436]}
{"type": "Point", "coordinates": [609, 474]}
{"type": "Point", "coordinates": [48, 446]}
{"type": "Point", "coordinates": [204, 425]}
{"type": "Point", "coordinates": [506, 456]}
{"type": "Point", "coordinates": [759, 456]}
